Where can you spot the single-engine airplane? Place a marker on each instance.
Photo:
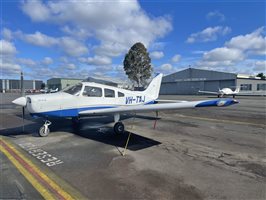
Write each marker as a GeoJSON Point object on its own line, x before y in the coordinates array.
{"type": "Point", "coordinates": [224, 92]}
{"type": "Point", "coordinates": [53, 90]}
{"type": "Point", "coordinates": [89, 98]}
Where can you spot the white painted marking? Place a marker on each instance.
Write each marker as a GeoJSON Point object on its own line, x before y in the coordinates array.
{"type": "Point", "coordinates": [41, 155]}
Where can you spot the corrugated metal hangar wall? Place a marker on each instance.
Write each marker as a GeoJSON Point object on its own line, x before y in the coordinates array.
{"type": "Point", "coordinates": [190, 81]}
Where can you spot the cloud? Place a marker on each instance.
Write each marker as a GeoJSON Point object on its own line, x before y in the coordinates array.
{"type": "Point", "coordinates": [223, 54]}
{"type": "Point", "coordinates": [215, 15]}
{"type": "Point", "coordinates": [7, 48]}
{"type": "Point", "coordinates": [198, 52]}
{"type": "Point", "coordinates": [176, 58]}
{"type": "Point", "coordinates": [39, 39]}
{"type": "Point", "coordinates": [72, 47]}
{"type": "Point", "coordinates": [117, 25]}
{"type": "Point", "coordinates": [220, 58]}
{"type": "Point", "coordinates": [7, 34]}
{"type": "Point", "coordinates": [26, 61]}
{"type": "Point", "coordinates": [260, 66]}
{"type": "Point", "coordinates": [47, 61]}
{"type": "Point", "coordinates": [166, 67]}
{"type": "Point", "coordinates": [97, 60]}
{"type": "Point", "coordinates": [156, 54]}
{"type": "Point", "coordinates": [208, 34]}
{"type": "Point", "coordinates": [70, 66]}
{"type": "Point", "coordinates": [236, 53]}
{"type": "Point", "coordinates": [8, 65]}
{"type": "Point", "coordinates": [254, 42]}
{"type": "Point", "coordinates": [9, 69]}
{"type": "Point", "coordinates": [157, 46]}
{"type": "Point", "coordinates": [76, 32]}
{"type": "Point", "coordinates": [36, 10]}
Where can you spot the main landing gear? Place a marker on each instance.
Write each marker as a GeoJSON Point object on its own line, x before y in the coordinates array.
{"type": "Point", "coordinates": [44, 130]}
{"type": "Point", "coordinates": [119, 128]}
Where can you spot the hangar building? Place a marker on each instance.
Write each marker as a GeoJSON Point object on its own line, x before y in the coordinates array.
{"type": "Point", "coordinates": [191, 80]}
{"type": "Point", "coordinates": [61, 83]}
{"type": "Point", "coordinates": [12, 85]}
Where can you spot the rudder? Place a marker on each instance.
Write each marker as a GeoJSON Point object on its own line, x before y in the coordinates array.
{"type": "Point", "coordinates": [154, 87]}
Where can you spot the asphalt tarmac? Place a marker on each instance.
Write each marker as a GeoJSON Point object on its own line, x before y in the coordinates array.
{"type": "Point", "coordinates": [203, 153]}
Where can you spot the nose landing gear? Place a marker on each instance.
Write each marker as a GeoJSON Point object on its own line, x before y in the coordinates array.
{"type": "Point", "coordinates": [44, 130]}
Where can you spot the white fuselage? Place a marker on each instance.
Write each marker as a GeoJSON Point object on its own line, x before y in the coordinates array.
{"type": "Point", "coordinates": [228, 91]}
{"type": "Point", "coordinates": [63, 104]}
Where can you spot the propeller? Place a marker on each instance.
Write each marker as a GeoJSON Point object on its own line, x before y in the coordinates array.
{"type": "Point", "coordinates": [24, 100]}
{"type": "Point", "coordinates": [23, 116]}
{"type": "Point", "coordinates": [21, 101]}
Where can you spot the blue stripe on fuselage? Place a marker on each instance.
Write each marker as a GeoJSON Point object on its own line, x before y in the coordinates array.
{"type": "Point", "coordinates": [150, 102]}
{"type": "Point", "coordinates": [74, 112]}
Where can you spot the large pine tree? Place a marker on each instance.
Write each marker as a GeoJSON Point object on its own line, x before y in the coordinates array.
{"type": "Point", "coordinates": [137, 64]}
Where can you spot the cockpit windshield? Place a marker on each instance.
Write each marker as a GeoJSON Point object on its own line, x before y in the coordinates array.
{"type": "Point", "coordinates": [74, 90]}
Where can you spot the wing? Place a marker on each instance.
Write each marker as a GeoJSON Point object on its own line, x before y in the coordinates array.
{"type": "Point", "coordinates": [157, 107]}
{"type": "Point", "coordinates": [245, 92]}
{"type": "Point", "coordinates": [208, 92]}
{"type": "Point", "coordinates": [169, 101]}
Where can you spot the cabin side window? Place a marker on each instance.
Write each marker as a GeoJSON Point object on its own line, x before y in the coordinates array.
{"type": "Point", "coordinates": [74, 90]}
{"type": "Point", "coordinates": [92, 91]}
{"type": "Point", "coordinates": [109, 93]}
{"type": "Point", "coordinates": [120, 94]}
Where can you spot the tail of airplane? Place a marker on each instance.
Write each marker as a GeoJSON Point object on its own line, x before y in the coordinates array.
{"type": "Point", "coordinates": [237, 90]}
{"type": "Point", "coordinates": [154, 87]}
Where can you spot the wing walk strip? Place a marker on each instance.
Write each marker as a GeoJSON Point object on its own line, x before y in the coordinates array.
{"type": "Point", "coordinates": [41, 182]}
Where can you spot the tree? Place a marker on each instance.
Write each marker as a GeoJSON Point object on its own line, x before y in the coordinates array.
{"type": "Point", "coordinates": [261, 75]}
{"type": "Point", "coordinates": [137, 64]}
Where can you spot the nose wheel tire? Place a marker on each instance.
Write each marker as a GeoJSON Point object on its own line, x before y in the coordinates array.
{"type": "Point", "coordinates": [44, 131]}
{"type": "Point", "coordinates": [119, 128]}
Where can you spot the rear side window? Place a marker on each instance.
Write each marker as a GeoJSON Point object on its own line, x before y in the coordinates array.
{"type": "Point", "coordinates": [109, 93]}
{"type": "Point", "coordinates": [92, 91]}
{"type": "Point", "coordinates": [120, 94]}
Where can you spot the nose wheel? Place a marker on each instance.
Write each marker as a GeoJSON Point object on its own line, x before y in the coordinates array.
{"type": "Point", "coordinates": [44, 130]}
{"type": "Point", "coordinates": [119, 128]}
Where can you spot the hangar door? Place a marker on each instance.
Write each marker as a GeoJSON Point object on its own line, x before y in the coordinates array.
{"type": "Point", "coordinates": [215, 85]}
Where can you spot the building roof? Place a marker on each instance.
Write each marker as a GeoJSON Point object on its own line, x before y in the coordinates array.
{"type": "Point", "coordinates": [192, 74]}
{"type": "Point", "coordinates": [65, 79]}
{"type": "Point", "coordinates": [90, 79]}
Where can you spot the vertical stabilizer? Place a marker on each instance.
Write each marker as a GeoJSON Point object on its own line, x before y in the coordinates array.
{"type": "Point", "coordinates": [154, 87]}
{"type": "Point", "coordinates": [237, 90]}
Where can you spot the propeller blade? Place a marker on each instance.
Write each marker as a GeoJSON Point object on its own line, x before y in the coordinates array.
{"type": "Point", "coordinates": [23, 116]}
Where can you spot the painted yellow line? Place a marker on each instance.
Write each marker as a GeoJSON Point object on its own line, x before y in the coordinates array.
{"type": "Point", "coordinates": [55, 186]}
{"type": "Point", "coordinates": [221, 120]}
{"type": "Point", "coordinates": [43, 191]}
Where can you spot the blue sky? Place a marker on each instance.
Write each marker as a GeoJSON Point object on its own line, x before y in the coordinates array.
{"type": "Point", "coordinates": [46, 39]}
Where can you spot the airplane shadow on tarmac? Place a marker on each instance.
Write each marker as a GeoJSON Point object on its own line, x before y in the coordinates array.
{"type": "Point", "coordinates": [99, 129]}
